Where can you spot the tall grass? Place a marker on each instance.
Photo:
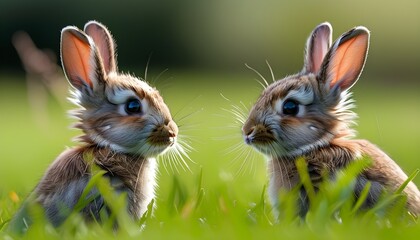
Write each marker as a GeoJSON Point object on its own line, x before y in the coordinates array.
{"type": "Point", "coordinates": [203, 213]}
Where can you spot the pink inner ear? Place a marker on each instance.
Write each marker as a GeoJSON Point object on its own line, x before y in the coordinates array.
{"type": "Point", "coordinates": [347, 61]}
{"type": "Point", "coordinates": [318, 54]}
{"type": "Point", "coordinates": [76, 59]}
{"type": "Point", "coordinates": [104, 43]}
{"type": "Point", "coordinates": [317, 46]}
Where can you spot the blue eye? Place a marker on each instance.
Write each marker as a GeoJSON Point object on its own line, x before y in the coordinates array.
{"type": "Point", "coordinates": [133, 106]}
{"type": "Point", "coordinates": [290, 107]}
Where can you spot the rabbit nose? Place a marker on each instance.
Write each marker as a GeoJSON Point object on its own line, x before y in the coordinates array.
{"type": "Point", "coordinates": [248, 132]}
{"type": "Point", "coordinates": [171, 133]}
{"type": "Point", "coordinates": [172, 129]}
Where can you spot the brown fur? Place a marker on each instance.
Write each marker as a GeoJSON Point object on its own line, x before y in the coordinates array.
{"type": "Point", "coordinates": [341, 152]}
{"type": "Point", "coordinates": [125, 125]}
{"type": "Point", "coordinates": [387, 172]}
{"type": "Point", "coordinates": [319, 130]}
{"type": "Point", "coordinates": [72, 165]}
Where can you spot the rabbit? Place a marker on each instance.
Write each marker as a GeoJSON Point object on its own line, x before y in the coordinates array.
{"type": "Point", "coordinates": [309, 115]}
{"type": "Point", "coordinates": [125, 125]}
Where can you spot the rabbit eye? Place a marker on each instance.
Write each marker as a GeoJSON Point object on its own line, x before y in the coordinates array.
{"type": "Point", "coordinates": [133, 106]}
{"type": "Point", "coordinates": [290, 107]}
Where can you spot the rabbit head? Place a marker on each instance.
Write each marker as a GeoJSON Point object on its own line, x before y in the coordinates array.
{"type": "Point", "coordinates": [117, 110]}
{"type": "Point", "coordinates": [309, 109]}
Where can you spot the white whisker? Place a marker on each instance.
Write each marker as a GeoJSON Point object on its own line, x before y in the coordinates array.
{"type": "Point", "coordinates": [188, 104]}
{"type": "Point", "coordinates": [245, 107]}
{"type": "Point", "coordinates": [177, 156]}
{"type": "Point", "coordinates": [154, 80]}
{"type": "Point", "coordinates": [241, 153]}
{"type": "Point", "coordinates": [260, 75]}
{"type": "Point", "coordinates": [271, 71]}
{"type": "Point", "coordinates": [234, 148]}
{"type": "Point", "coordinates": [261, 84]}
{"type": "Point", "coordinates": [147, 67]}
{"type": "Point", "coordinates": [238, 115]}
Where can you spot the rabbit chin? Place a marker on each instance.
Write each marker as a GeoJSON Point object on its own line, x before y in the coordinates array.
{"type": "Point", "coordinates": [270, 150]}
{"type": "Point", "coordinates": [276, 150]}
{"type": "Point", "coordinates": [143, 148]}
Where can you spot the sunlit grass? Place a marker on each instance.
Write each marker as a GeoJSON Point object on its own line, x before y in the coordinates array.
{"type": "Point", "coordinates": [213, 200]}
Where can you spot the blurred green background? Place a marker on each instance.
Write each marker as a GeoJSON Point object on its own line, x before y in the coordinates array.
{"type": "Point", "coordinates": [205, 44]}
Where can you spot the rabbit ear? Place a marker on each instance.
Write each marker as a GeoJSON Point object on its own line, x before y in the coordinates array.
{"type": "Point", "coordinates": [317, 46]}
{"type": "Point", "coordinates": [80, 59]}
{"type": "Point", "coordinates": [344, 62]}
{"type": "Point", "coordinates": [104, 42]}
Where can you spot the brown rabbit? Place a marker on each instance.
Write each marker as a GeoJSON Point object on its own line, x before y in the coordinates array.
{"type": "Point", "coordinates": [125, 122]}
{"type": "Point", "coordinates": [309, 115]}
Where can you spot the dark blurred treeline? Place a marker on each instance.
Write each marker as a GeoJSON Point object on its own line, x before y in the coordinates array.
{"type": "Point", "coordinates": [221, 35]}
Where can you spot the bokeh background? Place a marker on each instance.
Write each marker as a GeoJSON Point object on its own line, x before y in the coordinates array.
{"type": "Point", "coordinates": [204, 45]}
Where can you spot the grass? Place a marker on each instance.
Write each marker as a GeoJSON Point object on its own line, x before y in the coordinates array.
{"type": "Point", "coordinates": [221, 197]}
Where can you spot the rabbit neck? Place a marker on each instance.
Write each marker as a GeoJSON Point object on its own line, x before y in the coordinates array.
{"type": "Point", "coordinates": [126, 166]}
{"type": "Point", "coordinates": [134, 172]}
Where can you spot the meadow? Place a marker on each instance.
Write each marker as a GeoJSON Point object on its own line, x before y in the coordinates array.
{"type": "Point", "coordinates": [222, 194]}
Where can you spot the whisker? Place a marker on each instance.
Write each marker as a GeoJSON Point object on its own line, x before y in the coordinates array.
{"type": "Point", "coordinates": [182, 161]}
{"type": "Point", "coordinates": [224, 97]}
{"type": "Point", "coordinates": [240, 171]}
{"type": "Point", "coordinates": [242, 156]}
{"type": "Point", "coordinates": [248, 159]}
{"type": "Point", "coordinates": [261, 84]}
{"type": "Point", "coordinates": [238, 116]}
{"type": "Point", "coordinates": [173, 161]}
{"type": "Point", "coordinates": [241, 153]}
{"type": "Point", "coordinates": [177, 155]}
{"type": "Point", "coordinates": [147, 66]}
{"type": "Point", "coordinates": [177, 159]}
{"type": "Point", "coordinates": [185, 142]}
{"type": "Point", "coordinates": [161, 159]}
{"type": "Point", "coordinates": [259, 74]}
{"type": "Point", "coordinates": [184, 148]}
{"type": "Point", "coordinates": [234, 148]}
{"type": "Point", "coordinates": [245, 107]}
{"type": "Point", "coordinates": [164, 83]}
{"type": "Point", "coordinates": [188, 127]}
{"type": "Point", "coordinates": [240, 111]}
{"type": "Point", "coordinates": [175, 115]}
{"type": "Point", "coordinates": [271, 71]}
{"type": "Point", "coordinates": [154, 80]}
{"type": "Point", "coordinates": [187, 115]}
{"type": "Point", "coordinates": [253, 169]}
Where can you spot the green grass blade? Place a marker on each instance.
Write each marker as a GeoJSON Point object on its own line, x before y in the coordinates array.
{"type": "Point", "coordinates": [362, 198]}
{"type": "Point", "coordinates": [302, 168]}
{"type": "Point", "coordinates": [148, 214]}
{"type": "Point", "coordinates": [409, 179]}
{"type": "Point", "coordinates": [83, 200]}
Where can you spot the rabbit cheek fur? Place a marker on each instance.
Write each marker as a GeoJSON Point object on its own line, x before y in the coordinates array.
{"type": "Point", "coordinates": [125, 124]}
{"type": "Point", "coordinates": [309, 115]}
{"type": "Point", "coordinates": [104, 124]}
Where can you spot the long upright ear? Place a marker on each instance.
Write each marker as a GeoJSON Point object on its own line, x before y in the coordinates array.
{"type": "Point", "coordinates": [317, 46]}
{"type": "Point", "coordinates": [344, 62]}
{"type": "Point", "coordinates": [81, 62]}
{"type": "Point", "coordinates": [104, 42]}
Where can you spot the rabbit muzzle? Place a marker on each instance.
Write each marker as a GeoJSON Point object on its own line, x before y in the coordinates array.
{"type": "Point", "coordinates": [258, 135]}
{"type": "Point", "coordinates": [164, 134]}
